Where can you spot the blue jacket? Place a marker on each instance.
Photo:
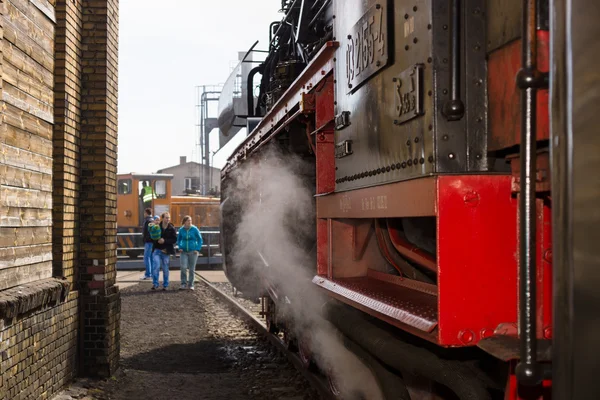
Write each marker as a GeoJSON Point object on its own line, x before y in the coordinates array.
{"type": "Point", "coordinates": [189, 240]}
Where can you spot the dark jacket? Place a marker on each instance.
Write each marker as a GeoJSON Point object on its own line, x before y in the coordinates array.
{"type": "Point", "coordinates": [170, 237]}
{"type": "Point", "coordinates": [145, 232]}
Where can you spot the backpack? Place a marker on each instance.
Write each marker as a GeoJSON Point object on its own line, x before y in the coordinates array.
{"type": "Point", "coordinates": [154, 230]}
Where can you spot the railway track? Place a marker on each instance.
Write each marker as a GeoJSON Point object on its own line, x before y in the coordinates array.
{"type": "Point", "coordinates": [251, 313]}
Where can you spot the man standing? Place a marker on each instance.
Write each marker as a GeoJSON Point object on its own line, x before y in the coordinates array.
{"type": "Point", "coordinates": [147, 244]}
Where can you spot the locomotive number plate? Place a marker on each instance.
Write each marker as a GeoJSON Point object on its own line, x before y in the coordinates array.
{"type": "Point", "coordinates": [409, 94]}
{"type": "Point", "coordinates": [367, 50]}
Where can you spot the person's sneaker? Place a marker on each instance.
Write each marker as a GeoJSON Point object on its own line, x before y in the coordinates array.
{"type": "Point", "coordinates": [182, 287]}
{"type": "Point", "coordinates": [164, 288]}
{"type": "Point", "coordinates": [154, 287]}
{"type": "Point", "coordinates": [191, 288]}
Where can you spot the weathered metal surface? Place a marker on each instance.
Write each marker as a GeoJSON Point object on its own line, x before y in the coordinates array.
{"type": "Point", "coordinates": [405, 305]}
{"type": "Point", "coordinates": [476, 257]}
{"type": "Point", "coordinates": [395, 116]}
{"type": "Point", "coordinates": [414, 198]}
{"type": "Point", "coordinates": [369, 45]}
{"type": "Point", "coordinates": [504, 105]}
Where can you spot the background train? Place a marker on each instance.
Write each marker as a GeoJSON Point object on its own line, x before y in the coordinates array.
{"type": "Point", "coordinates": [403, 161]}
{"type": "Point", "coordinates": [130, 212]}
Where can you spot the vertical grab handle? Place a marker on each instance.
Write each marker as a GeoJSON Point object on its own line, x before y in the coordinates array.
{"type": "Point", "coordinates": [454, 108]}
{"type": "Point", "coordinates": [529, 79]}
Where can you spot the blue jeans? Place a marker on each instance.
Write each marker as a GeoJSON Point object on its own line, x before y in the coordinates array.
{"type": "Point", "coordinates": [160, 259]}
{"type": "Point", "coordinates": [148, 259]}
{"type": "Point", "coordinates": [188, 265]}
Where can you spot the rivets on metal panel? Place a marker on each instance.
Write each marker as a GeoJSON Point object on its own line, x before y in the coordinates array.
{"type": "Point", "coordinates": [415, 40]}
{"type": "Point", "coordinates": [408, 142]}
{"type": "Point", "coordinates": [430, 127]}
{"type": "Point", "coordinates": [422, 161]}
{"type": "Point", "coordinates": [451, 156]}
{"type": "Point", "coordinates": [349, 36]}
{"type": "Point", "coordinates": [478, 156]}
{"type": "Point", "coordinates": [548, 333]}
{"type": "Point", "coordinates": [405, 16]}
{"type": "Point", "coordinates": [378, 6]}
{"type": "Point", "coordinates": [350, 86]}
{"type": "Point", "coordinates": [415, 8]}
{"type": "Point", "coordinates": [445, 137]}
{"type": "Point", "coordinates": [416, 140]}
{"type": "Point", "coordinates": [430, 159]}
{"type": "Point", "coordinates": [387, 169]}
{"type": "Point", "coordinates": [409, 162]}
{"type": "Point", "coordinates": [445, 27]}
{"type": "Point", "coordinates": [466, 337]}
{"type": "Point", "coordinates": [406, 47]}
{"type": "Point", "coordinates": [416, 161]}
{"type": "Point", "coordinates": [393, 166]}
{"type": "Point", "coordinates": [429, 26]}
{"type": "Point", "coordinates": [404, 165]}
{"type": "Point", "coordinates": [429, 60]}
{"type": "Point", "coordinates": [398, 166]}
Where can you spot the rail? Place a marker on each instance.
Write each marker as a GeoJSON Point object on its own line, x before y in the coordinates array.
{"type": "Point", "coordinates": [317, 382]}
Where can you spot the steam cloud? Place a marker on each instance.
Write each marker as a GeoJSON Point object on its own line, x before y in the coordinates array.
{"type": "Point", "coordinates": [276, 237]}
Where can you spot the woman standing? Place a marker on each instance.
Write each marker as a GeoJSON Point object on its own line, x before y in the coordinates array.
{"type": "Point", "coordinates": [162, 251]}
{"type": "Point", "coordinates": [189, 242]}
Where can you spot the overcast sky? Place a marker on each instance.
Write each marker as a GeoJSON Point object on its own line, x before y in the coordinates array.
{"type": "Point", "coordinates": [165, 50]}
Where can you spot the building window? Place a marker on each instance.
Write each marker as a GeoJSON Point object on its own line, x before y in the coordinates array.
{"type": "Point", "coordinates": [124, 186]}
{"type": "Point", "coordinates": [191, 183]}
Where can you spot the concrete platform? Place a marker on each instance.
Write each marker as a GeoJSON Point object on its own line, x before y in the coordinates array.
{"type": "Point", "coordinates": [129, 278]}
{"type": "Point", "coordinates": [213, 276]}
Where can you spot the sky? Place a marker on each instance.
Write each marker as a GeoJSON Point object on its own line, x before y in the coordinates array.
{"type": "Point", "coordinates": [166, 49]}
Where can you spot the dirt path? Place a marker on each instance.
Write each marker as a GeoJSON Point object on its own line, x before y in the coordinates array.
{"type": "Point", "coordinates": [186, 345]}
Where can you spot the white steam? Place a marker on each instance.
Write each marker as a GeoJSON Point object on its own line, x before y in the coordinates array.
{"type": "Point", "coordinates": [276, 236]}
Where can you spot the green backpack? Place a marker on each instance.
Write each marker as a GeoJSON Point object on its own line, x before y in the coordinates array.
{"type": "Point", "coordinates": [155, 231]}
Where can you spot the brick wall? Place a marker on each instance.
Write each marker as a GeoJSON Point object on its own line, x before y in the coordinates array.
{"type": "Point", "coordinates": [67, 138]}
{"type": "Point", "coordinates": [38, 339]}
{"type": "Point", "coordinates": [98, 197]}
{"type": "Point", "coordinates": [58, 85]}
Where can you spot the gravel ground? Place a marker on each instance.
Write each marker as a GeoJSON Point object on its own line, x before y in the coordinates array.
{"type": "Point", "coordinates": [188, 345]}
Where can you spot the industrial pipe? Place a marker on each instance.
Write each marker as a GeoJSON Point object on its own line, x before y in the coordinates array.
{"type": "Point", "coordinates": [454, 109]}
{"type": "Point", "coordinates": [412, 252]}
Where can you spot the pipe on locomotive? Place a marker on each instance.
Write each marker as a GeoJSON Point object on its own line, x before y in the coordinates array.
{"type": "Point", "coordinates": [454, 109]}
{"type": "Point", "coordinates": [529, 79]}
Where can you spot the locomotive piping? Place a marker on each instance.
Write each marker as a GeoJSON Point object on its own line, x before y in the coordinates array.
{"type": "Point", "coordinates": [529, 79]}
{"type": "Point", "coordinates": [454, 109]}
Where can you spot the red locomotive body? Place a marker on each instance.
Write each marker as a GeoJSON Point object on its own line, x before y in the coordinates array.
{"type": "Point", "coordinates": [426, 125]}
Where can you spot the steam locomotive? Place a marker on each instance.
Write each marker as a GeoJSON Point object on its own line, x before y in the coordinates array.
{"type": "Point", "coordinates": [438, 176]}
